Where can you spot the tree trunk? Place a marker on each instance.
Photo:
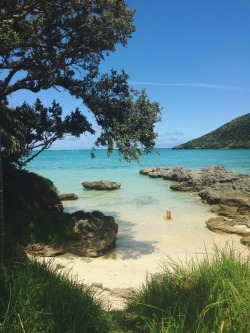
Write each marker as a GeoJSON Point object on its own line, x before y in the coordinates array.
{"type": "Point", "coordinates": [1, 209]}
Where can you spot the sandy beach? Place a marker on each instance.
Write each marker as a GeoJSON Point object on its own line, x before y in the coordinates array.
{"type": "Point", "coordinates": [114, 277]}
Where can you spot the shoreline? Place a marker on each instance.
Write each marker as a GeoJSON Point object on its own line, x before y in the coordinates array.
{"type": "Point", "coordinates": [124, 269]}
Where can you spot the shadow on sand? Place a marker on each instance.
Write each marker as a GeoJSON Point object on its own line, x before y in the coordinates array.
{"type": "Point", "coordinates": [127, 247]}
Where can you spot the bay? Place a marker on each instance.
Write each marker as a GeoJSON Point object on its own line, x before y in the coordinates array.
{"type": "Point", "coordinates": [145, 240]}
{"type": "Point", "coordinates": [138, 206]}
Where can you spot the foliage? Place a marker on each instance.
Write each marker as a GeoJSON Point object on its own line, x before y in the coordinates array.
{"type": "Point", "coordinates": [204, 297]}
{"type": "Point", "coordinates": [35, 298]}
{"type": "Point", "coordinates": [27, 128]}
{"type": "Point", "coordinates": [52, 41]}
{"type": "Point", "coordinates": [35, 217]}
{"type": "Point", "coordinates": [11, 131]}
{"type": "Point", "coordinates": [234, 134]}
{"type": "Point", "coordinates": [60, 44]}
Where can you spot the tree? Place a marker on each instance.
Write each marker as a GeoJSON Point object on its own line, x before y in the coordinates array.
{"type": "Point", "coordinates": [60, 44]}
{"type": "Point", "coordinates": [27, 128]}
{"type": "Point", "coordinates": [1, 210]}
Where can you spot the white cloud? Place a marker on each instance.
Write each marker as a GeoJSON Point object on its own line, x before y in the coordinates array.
{"type": "Point", "coordinates": [71, 142]}
{"type": "Point", "coordinates": [174, 133]}
{"type": "Point", "coordinates": [192, 85]}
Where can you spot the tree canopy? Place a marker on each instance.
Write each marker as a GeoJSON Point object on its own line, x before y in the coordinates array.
{"type": "Point", "coordinates": [60, 44]}
{"type": "Point", "coordinates": [36, 127]}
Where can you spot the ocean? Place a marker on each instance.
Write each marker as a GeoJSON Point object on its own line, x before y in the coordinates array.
{"type": "Point", "coordinates": [138, 206]}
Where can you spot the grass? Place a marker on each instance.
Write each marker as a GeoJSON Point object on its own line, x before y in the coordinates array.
{"type": "Point", "coordinates": [36, 299]}
{"type": "Point", "coordinates": [204, 297]}
{"type": "Point", "coordinates": [208, 296]}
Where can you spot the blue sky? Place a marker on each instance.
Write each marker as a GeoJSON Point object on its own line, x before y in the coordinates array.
{"type": "Point", "coordinates": [192, 56]}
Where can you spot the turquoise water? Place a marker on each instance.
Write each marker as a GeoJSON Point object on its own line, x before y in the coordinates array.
{"type": "Point", "coordinates": [138, 206]}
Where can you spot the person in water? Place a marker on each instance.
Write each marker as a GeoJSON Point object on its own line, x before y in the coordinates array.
{"type": "Point", "coordinates": [168, 214]}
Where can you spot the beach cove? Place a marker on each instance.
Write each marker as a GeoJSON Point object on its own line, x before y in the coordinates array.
{"type": "Point", "coordinates": [145, 239]}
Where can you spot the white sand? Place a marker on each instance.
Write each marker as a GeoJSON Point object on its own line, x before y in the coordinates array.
{"type": "Point", "coordinates": [117, 271]}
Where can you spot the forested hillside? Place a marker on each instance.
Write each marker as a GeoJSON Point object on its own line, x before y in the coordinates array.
{"type": "Point", "coordinates": [234, 134]}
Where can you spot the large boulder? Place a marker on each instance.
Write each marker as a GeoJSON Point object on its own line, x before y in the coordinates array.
{"type": "Point", "coordinates": [97, 235]}
{"type": "Point", "coordinates": [101, 185]}
{"type": "Point", "coordinates": [97, 232]}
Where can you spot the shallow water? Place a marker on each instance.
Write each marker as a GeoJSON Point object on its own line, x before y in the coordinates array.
{"type": "Point", "coordinates": [138, 206]}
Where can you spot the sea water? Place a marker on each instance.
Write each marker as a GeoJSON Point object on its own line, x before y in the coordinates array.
{"type": "Point", "coordinates": [139, 205]}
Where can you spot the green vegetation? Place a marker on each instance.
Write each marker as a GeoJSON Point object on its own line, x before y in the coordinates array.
{"type": "Point", "coordinates": [37, 214]}
{"type": "Point", "coordinates": [35, 299]}
{"type": "Point", "coordinates": [209, 296]}
{"type": "Point", "coordinates": [234, 134]}
{"type": "Point", "coordinates": [26, 128]}
{"type": "Point", "coordinates": [61, 45]}
{"type": "Point", "coordinates": [212, 296]}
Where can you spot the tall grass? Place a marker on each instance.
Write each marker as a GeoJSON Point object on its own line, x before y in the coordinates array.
{"type": "Point", "coordinates": [202, 297]}
{"type": "Point", "coordinates": [35, 299]}
{"type": "Point", "coordinates": [209, 296]}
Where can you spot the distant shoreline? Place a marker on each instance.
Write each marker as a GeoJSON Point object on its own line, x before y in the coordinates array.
{"type": "Point", "coordinates": [156, 148]}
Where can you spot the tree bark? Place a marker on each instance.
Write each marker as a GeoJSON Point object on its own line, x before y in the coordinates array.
{"type": "Point", "coordinates": [1, 209]}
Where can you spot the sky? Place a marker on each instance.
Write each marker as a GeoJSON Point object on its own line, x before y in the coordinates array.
{"type": "Point", "coordinates": [192, 56]}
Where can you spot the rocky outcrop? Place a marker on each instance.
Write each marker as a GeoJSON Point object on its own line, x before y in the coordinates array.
{"type": "Point", "coordinates": [68, 196]}
{"type": "Point", "coordinates": [102, 185]}
{"type": "Point", "coordinates": [220, 224]}
{"type": "Point", "coordinates": [175, 173]}
{"type": "Point", "coordinates": [228, 194]}
{"type": "Point", "coordinates": [97, 232]}
{"type": "Point", "coordinates": [97, 235]}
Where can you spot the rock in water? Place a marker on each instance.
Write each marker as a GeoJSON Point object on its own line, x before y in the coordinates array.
{"type": "Point", "coordinates": [102, 185]}
{"type": "Point", "coordinates": [68, 196]}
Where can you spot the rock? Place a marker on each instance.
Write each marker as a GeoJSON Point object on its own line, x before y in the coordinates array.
{"type": "Point", "coordinates": [102, 185]}
{"type": "Point", "coordinates": [68, 196]}
{"type": "Point", "coordinates": [245, 240]}
{"type": "Point", "coordinates": [179, 174]}
{"type": "Point", "coordinates": [232, 207]}
{"type": "Point", "coordinates": [176, 173]}
{"type": "Point", "coordinates": [228, 194]}
{"type": "Point", "coordinates": [182, 187]}
{"type": "Point", "coordinates": [97, 235]}
{"type": "Point", "coordinates": [97, 231]}
{"type": "Point", "coordinates": [42, 250]}
{"type": "Point", "coordinates": [221, 225]}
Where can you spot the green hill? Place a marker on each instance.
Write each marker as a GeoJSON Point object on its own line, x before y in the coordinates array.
{"type": "Point", "coordinates": [234, 134]}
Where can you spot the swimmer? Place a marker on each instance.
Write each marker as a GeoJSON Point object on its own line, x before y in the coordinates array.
{"type": "Point", "coordinates": [168, 214]}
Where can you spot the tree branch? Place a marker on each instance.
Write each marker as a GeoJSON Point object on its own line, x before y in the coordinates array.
{"type": "Point", "coordinates": [46, 146]}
